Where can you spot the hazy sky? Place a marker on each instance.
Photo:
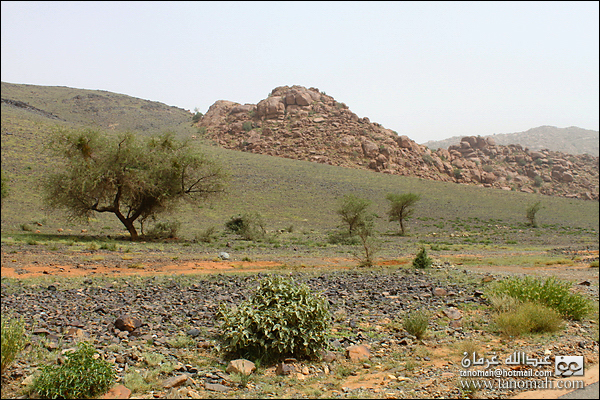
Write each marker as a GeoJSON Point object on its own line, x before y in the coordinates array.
{"type": "Point", "coordinates": [426, 70]}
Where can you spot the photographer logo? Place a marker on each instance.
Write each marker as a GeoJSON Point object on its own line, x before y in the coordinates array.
{"type": "Point", "coordinates": [566, 366]}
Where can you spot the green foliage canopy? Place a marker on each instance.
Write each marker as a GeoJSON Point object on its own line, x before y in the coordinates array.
{"type": "Point", "coordinates": [80, 376]}
{"type": "Point", "coordinates": [401, 207]}
{"type": "Point", "coordinates": [126, 176]}
{"type": "Point", "coordinates": [283, 318]}
{"type": "Point", "coordinates": [353, 211]}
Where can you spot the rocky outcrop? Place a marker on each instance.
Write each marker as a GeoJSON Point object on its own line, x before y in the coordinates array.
{"type": "Point", "coordinates": [306, 124]}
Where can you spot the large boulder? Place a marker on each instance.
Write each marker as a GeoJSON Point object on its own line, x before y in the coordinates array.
{"type": "Point", "coordinates": [370, 149]}
{"type": "Point", "coordinates": [271, 108]}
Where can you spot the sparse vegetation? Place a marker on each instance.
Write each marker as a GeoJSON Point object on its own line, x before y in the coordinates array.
{"type": "Point", "coordinates": [249, 226]}
{"type": "Point", "coordinates": [13, 340]}
{"type": "Point", "coordinates": [4, 187]}
{"type": "Point", "coordinates": [416, 323]}
{"type": "Point", "coordinates": [164, 230]}
{"type": "Point", "coordinates": [80, 376]}
{"type": "Point", "coordinates": [549, 292]}
{"type": "Point", "coordinates": [528, 318]}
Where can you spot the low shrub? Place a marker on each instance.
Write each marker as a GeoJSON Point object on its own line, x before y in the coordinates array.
{"type": "Point", "coordinates": [503, 302]}
{"type": "Point", "coordinates": [342, 237]}
{"type": "Point", "coordinates": [282, 318]}
{"type": "Point", "coordinates": [79, 376]}
{"type": "Point", "coordinates": [164, 230]}
{"type": "Point", "coordinates": [422, 261]}
{"type": "Point", "coordinates": [528, 318]}
{"type": "Point", "coordinates": [250, 226]}
{"type": "Point", "coordinates": [13, 340]}
{"type": "Point", "coordinates": [208, 235]}
{"type": "Point", "coordinates": [549, 292]}
{"type": "Point", "coordinates": [247, 126]}
{"type": "Point", "coordinates": [416, 323]}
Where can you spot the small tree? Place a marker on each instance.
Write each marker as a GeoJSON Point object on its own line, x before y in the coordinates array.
{"type": "Point", "coordinates": [531, 212]}
{"type": "Point", "coordinates": [353, 211]}
{"type": "Point", "coordinates": [127, 177]}
{"type": "Point", "coordinates": [401, 207]}
{"type": "Point", "coordinates": [370, 246]}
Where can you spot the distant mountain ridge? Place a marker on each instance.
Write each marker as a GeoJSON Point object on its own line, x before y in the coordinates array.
{"type": "Point", "coordinates": [572, 140]}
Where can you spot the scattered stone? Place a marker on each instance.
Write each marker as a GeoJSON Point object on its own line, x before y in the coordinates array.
{"type": "Point", "coordinates": [127, 323]}
{"type": "Point", "coordinates": [28, 380]}
{"type": "Point", "coordinates": [453, 313]}
{"type": "Point", "coordinates": [241, 366]}
{"type": "Point", "coordinates": [117, 392]}
{"type": "Point", "coordinates": [284, 369]}
{"type": "Point", "coordinates": [193, 332]}
{"type": "Point", "coordinates": [330, 356]}
{"type": "Point", "coordinates": [216, 387]}
{"type": "Point", "coordinates": [358, 353]}
{"type": "Point", "coordinates": [175, 381]}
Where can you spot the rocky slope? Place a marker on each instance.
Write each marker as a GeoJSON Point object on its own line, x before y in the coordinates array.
{"type": "Point", "coordinates": [306, 124]}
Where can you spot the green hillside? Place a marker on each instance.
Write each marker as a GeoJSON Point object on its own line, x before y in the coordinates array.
{"type": "Point", "coordinates": [91, 108]}
{"type": "Point", "coordinates": [290, 194]}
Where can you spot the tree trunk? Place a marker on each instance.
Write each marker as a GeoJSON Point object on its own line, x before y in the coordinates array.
{"type": "Point", "coordinates": [128, 222]}
{"type": "Point", "coordinates": [132, 231]}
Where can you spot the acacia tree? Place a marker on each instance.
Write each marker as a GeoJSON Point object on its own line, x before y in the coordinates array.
{"type": "Point", "coordinates": [401, 207]}
{"type": "Point", "coordinates": [353, 211]}
{"type": "Point", "coordinates": [531, 211]}
{"type": "Point", "coordinates": [126, 176]}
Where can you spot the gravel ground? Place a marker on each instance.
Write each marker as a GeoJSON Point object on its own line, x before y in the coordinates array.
{"type": "Point", "coordinates": [177, 315]}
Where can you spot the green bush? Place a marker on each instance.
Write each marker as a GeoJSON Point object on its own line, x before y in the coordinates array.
{"type": "Point", "coordinates": [549, 292]}
{"type": "Point", "coordinates": [422, 261]}
{"type": "Point", "coordinates": [247, 126]}
{"type": "Point", "coordinates": [164, 230]}
{"type": "Point", "coordinates": [250, 226]}
{"type": "Point", "coordinates": [13, 340]}
{"type": "Point", "coordinates": [528, 318]}
{"type": "Point", "coordinates": [416, 323]}
{"type": "Point", "coordinates": [531, 211]}
{"type": "Point", "coordinates": [197, 116]}
{"type": "Point", "coordinates": [79, 376]}
{"type": "Point", "coordinates": [208, 235]}
{"type": "Point", "coordinates": [282, 318]}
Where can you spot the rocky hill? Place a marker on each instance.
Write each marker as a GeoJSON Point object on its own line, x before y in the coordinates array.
{"type": "Point", "coordinates": [572, 140]}
{"type": "Point", "coordinates": [306, 124]}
